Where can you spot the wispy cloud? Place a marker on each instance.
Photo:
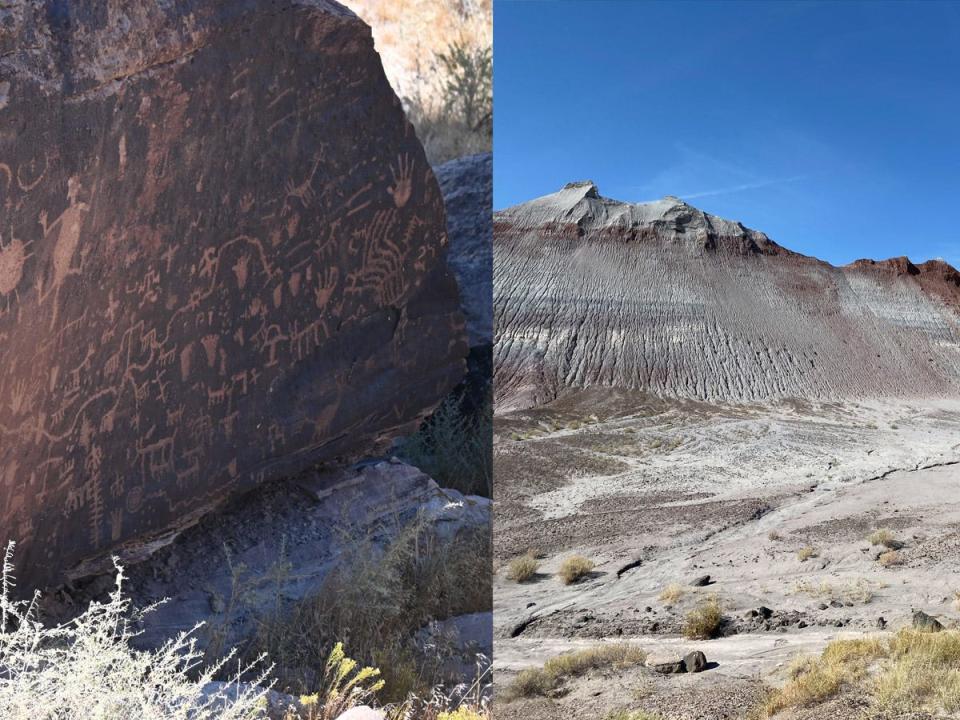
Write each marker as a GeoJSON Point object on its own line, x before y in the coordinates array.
{"type": "Point", "coordinates": [744, 186]}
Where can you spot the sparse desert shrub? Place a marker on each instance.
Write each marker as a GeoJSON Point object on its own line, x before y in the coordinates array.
{"type": "Point", "coordinates": [375, 601]}
{"type": "Point", "coordinates": [87, 668]}
{"type": "Point", "coordinates": [704, 621]}
{"type": "Point", "coordinates": [574, 568]}
{"type": "Point", "coordinates": [523, 568]}
{"type": "Point", "coordinates": [890, 558]}
{"type": "Point", "coordinates": [454, 449]}
{"type": "Point", "coordinates": [886, 538]}
{"type": "Point", "coordinates": [437, 56]}
{"type": "Point", "coordinates": [542, 681]}
{"type": "Point", "coordinates": [774, 535]}
{"type": "Point", "coordinates": [672, 594]}
{"type": "Point", "coordinates": [909, 672]}
{"type": "Point", "coordinates": [806, 553]}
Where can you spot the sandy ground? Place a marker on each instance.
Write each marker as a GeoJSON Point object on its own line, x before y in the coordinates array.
{"type": "Point", "coordinates": [662, 492]}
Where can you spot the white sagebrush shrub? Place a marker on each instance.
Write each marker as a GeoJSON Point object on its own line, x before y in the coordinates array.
{"type": "Point", "coordinates": [87, 669]}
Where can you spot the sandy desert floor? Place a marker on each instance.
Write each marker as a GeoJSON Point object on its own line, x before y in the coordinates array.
{"type": "Point", "coordinates": [662, 492]}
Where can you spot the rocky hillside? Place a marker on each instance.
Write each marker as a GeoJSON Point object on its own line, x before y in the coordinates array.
{"type": "Point", "coordinates": [666, 298]}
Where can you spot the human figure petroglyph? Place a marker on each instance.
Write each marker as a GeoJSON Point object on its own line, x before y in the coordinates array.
{"type": "Point", "coordinates": [70, 223]}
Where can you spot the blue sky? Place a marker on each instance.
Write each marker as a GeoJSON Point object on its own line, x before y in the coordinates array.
{"type": "Point", "coordinates": [833, 127]}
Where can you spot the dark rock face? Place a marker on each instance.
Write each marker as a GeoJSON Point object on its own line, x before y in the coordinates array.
{"type": "Point", "coordinates": [925, 622]}
{"type": "Point", "coordinates": [222, 259]}
{"type": "Point", "coordinates": [467, 187]}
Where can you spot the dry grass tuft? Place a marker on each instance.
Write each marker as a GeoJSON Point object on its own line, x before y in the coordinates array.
{"type": "Point", "coordinates": [909, 672]}
{"type": "Point", "coordinates": [543, 681]}
{"type": "Point", "coordinates": [806, 553]}
{"type": "Point", "coordinates": [672, 594]}
{"type": "Point", "coordinates": [890, 558]}
{"type": "Point", "coordinates": [523, 568]}
{"type": "Point", "coordinates": [860, 592]}
{"type": "Point", "coordinates": [882, 537]}
{"type": "Point", "coordinates": [774, 536]}
{"type": "Point", "coordinates": [704, 621]}
{"type": "Point", "coordinates": [575, 568]}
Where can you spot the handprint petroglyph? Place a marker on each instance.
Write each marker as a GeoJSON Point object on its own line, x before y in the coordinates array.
{"type": "Point", "coordinates": [402, 181]}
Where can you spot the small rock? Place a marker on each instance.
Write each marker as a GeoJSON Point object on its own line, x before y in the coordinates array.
{"type": "Point", "coordinates": [881, 622]}
{"type": "Point", "coordinates": [694, 662]}
{"type": "Point", "coordinates": [764, 612]}
{"type": "Point", "coordinates": [802, 624]}
{"type": "Point", "coordinates": [701, 581]}
{"type": "Point", "coordinates": [362, 712]}
{"type": "Point", "coordinates": [928, 623]}
{"type": "Point", "coordinates": [822, 606]}
{"type": "Point", "coordinates": [836, 604]}
{"type": "Point", "coordinates": [672, 667]}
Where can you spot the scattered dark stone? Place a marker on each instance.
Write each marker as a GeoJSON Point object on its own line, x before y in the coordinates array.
{"type": "Point", "coordinates": [764, 612]}
{"type": "Point", "coordinates": [648, 609]}
{"type": "Point", "coordinates": [822, 606]}
{"type": "Point", "coordinates": [836, 604]}
{"type": "Point", "coordinates": [881, 623]}
{"type": "Point", "coordinates": [701, 581]}
{"type": "Point", "coordinates": [673, 667]}
{"type": "Point", "coordinates": [926, 623]}
{"type": "Point", "coordinates": [802, 624]}
{"type": "Point", "coordinates": [694, 662]}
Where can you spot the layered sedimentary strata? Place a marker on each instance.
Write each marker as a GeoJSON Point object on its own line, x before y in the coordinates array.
{"type": "Point", "coordinates": [665, 298]}
{"type": "Point", "coordinates": [222, 259]}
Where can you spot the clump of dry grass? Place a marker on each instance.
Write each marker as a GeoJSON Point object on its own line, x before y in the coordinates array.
{"type": "Point", "coordinates": [543, 681]}
{"type": "Point", "coordinates": [890, 558]}
{"type": "Point", "coordinates": [523, 568]}
{"type": "Point", "coordinates": [909, 672]}
{"type": "Point", "coordinates": [859, 592]}
{"type": "Point", "coordinates": [774, 536]}
{"type": "Point", "coordinates": [806, 553]}
{"type": "Point", "coordinates": [881, 537]}
{"type": "Point", "coordinates": [575, 568]}
{"type": "Point", "coordinates": [672, 594]}
{"type": "Point", "coordinates": [704, 621]}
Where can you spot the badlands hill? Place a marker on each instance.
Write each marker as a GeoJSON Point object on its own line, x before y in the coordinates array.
{"type": "Point", "coordinates": [665, 298]}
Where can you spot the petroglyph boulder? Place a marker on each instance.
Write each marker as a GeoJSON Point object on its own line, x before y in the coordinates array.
{"type": "Point", "coordinates": [222, 259]}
